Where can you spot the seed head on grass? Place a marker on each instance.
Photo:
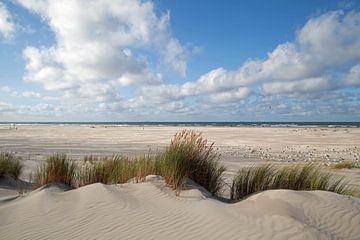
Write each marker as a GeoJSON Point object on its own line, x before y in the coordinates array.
{"type": "Point", "coordinates": [57, 168]}
{"type": "Point", "coordinates": [10, 165]}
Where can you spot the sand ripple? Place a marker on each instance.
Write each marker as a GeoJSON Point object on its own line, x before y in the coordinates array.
{"type": "Point", "coordinates": [150, 210]}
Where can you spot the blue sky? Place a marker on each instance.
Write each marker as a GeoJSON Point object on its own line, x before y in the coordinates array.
{"type": "Point", "coordinates": [179, 60]}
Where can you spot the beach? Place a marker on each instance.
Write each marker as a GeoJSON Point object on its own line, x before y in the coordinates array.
{"type": "Point", "coordinates": [151, 119]}
{"type": "Point", "coordinates": [238, 146]}
{"type": "Point", "coordinates": [152, 210]}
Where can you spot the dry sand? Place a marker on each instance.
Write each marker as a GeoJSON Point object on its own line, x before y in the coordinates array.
{"type": "Point", "coordinates": [150, 210]}
{"type": "Point", "coordinates": [238, 145]}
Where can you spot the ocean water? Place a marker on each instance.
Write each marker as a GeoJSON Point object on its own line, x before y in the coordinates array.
{"type": "Point", "coordinates": [202, 124]}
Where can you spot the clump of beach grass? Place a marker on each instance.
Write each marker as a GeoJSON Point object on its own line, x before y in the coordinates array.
{"type": "Point", "coordinates": [306, 177]}
{"type": "Point", "coordinates": [147, 165]}
{"type": "Point", "coordinates": [57, 168]}
{"type": "Point", "coordinates": [92, 173]}
{"type": "Point", "coordinates": [90, 159]}
{"type": "Point", "coordinates": [190, 156]}
{"type": "Point", "coordinates": [10, 165]}
{"type": "Point", "coordinates": [251, 180]}
{"type": "Point", "coordinates": [118, 169]}
{"type": "Point", "coordinates": [347, 164]}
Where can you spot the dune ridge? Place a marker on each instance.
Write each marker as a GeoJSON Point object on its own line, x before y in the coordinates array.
{"type": "Point", "coordinates": [150, 210]}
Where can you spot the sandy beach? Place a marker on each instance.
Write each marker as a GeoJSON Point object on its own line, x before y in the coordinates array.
{"type": "Point", "coordinates": [175, 120]}
{"type": "Point", "coordinates": [152, 210]}
{"type": "Point", "coordinates": [238, 146]}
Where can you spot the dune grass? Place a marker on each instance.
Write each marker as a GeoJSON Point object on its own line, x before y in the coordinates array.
{"type": "Point", "coordinates": [190, 156]}
{"type": "Point", "coordinates": [10, 165]}
{"type": "Point", "coordinates": [91, 158]}
{"type": "Point", "coordinates": [92, 172]}
{"type": "Point", "coordinates": [96, 172]}
{"type": "Point", "coordinates": [251, 180]}
{"type": "Point", "coordinates": [306, 177]}
{"type": "Point", "coordinates": [347, 164]}
{"type": "Point", "coordinates": [118, 169]}
{"type": "Point", "coordinates": [57, 168]}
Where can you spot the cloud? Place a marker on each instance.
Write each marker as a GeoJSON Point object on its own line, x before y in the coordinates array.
{"type": "Point", "coordinates": [353, 76]}
{"type": "Point", "coordinates": [219, 80]}
{"type": "Point", "coordinates": [324, 45]}
{"type": "Point", "coordinates": [326, 42]}
{"type": "Point", "coordinates": [42, 108]}
{"type": "Point", "coordinates": [229, 96]}
{"type": "Point", "coordinates": [111, 57]}
{"type": "Point", "coordinates": [13, 93]}
{"type": "Point", "coordinates": [28, 94]}
{"type": "Point", "coordinates": [308, 85]}
{"type": "Point", "coordinates": [101, 42]}
{"type": "Point", "coordinates": [208, 84]}
{"type": "Point", "coordinates": [7, 25]}
{"type": "Point", "coordinates": [9, 91]}
{"type": "Point", "coordinates": [31, 94]}
{"type": "Point", "coordinates": [331, 39]}
{"type": "Point", "coordinates": [5, 107]}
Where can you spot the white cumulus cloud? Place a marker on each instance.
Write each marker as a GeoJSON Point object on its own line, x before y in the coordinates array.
{"type": "Point", "coordinates": [353, 76]}
{"type": "Point", "coordinates": [326, 42]}
{"type": "Point", "coordinates": [7, 25]}
{"type": "Point", "coordinates": [229, 96]}
{"type": "Point", "coordinates": [31, 94]}
{"type": "Point", "coordinates": [104, 48]}
{"type": "Point", "coordinates": [302, 86]}
{"type": "Point", "coordinates": [96, 41]}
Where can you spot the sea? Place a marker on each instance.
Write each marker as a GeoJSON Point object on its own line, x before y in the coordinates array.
{"type": "Point", "coordinates": [203, 124]}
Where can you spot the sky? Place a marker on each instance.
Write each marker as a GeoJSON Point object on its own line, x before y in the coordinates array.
{"type": "Point", "coordinates": [179, 60]}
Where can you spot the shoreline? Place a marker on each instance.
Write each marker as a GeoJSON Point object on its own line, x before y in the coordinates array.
{"type": "Point", "coordinates": [194, 124]}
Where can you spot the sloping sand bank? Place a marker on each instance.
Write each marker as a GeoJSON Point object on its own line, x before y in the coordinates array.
{"type": "Point", "coordinates": [150, 210]}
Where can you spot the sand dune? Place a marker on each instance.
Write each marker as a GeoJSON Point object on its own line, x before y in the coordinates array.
{"type": "Point", "coordinates": [150, 210]}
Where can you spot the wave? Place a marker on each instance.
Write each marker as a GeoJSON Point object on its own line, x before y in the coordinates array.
{"type": "Point", "coordinates": [200, 124]}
